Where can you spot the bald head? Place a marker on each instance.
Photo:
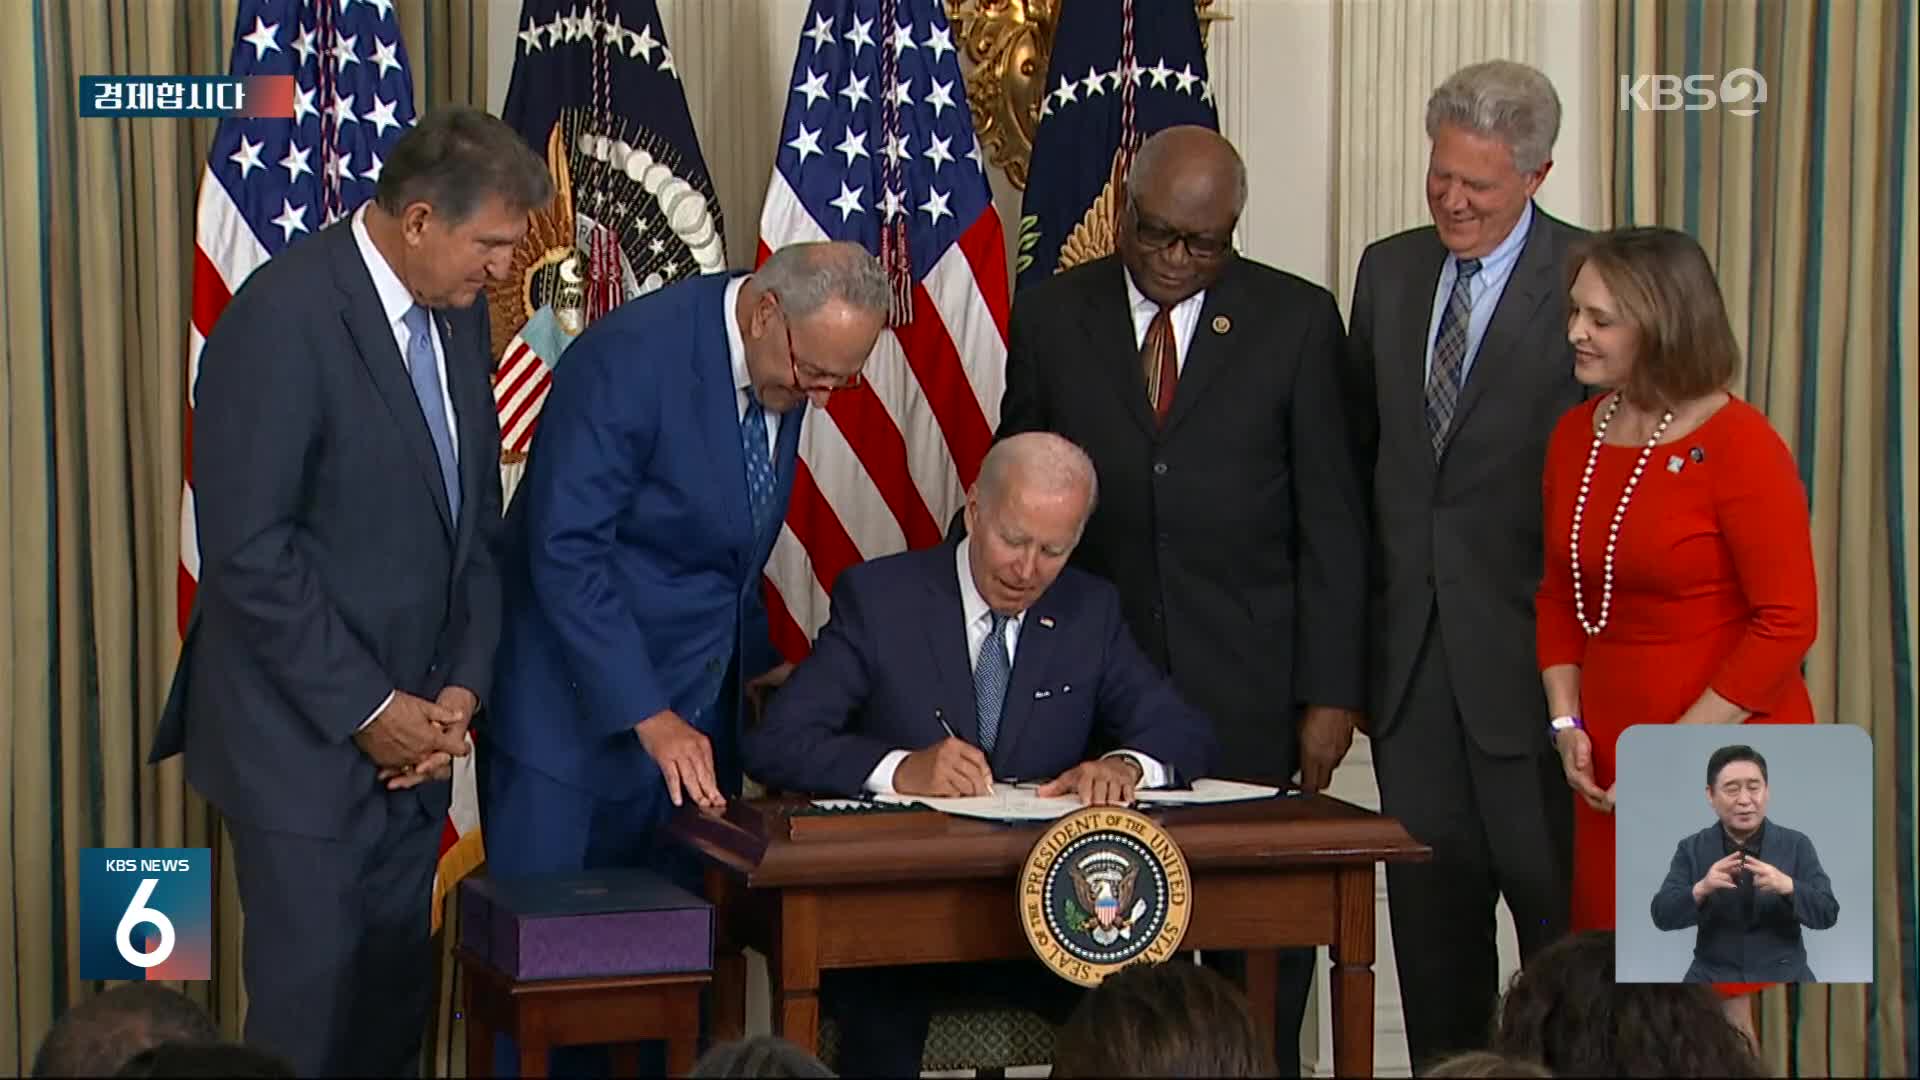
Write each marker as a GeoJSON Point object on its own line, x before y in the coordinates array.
{"type": "Point", "coordinates": [1025, 513]}
{"type": "Point", "coordinates": [1191, 155]}
{"type": "Point", "coordinates": [1185, 191]}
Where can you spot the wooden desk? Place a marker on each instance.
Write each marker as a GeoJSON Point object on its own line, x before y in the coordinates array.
{"type": "Point", "coordinates": [622, 1011]}
{"type": "Point", "coordinates": [886, 889]}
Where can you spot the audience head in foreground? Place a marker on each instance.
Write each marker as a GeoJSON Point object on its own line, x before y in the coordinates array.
{"type": "Point", "coordinates": [1479, 1064]}
{"type": "Point", "coordinates": [1171, 1019]}
{"type": "Point", "coordinates": [99, 1035]}
{"type": "Point", "coordinates": [760, 1056]}
{"type": "Point", "coordinates": [1565, 1010]}
{"type": "Point", "coordinates": [206, 1059]}
{"type": "Point", "coordinates": [1025, 514]}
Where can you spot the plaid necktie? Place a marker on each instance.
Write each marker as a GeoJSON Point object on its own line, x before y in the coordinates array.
{"type": "Point", "coordinates": [753, 440]}
{"type": "Point", "coordinates": [990, 681]}
{"type": "Point", "coordinates": [425, 373]}
{"type": "Point", "coordinates": [1450, 356]}
{"type": "Point", "coordinates": [1159, 360]}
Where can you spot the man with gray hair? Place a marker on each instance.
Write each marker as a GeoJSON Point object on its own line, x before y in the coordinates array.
{"type": "Point", "coordinates": [949, 670]}
{"type": "Point", "coordinates": [1459, 370]}
{"type": "Point", "coordinates": [635, 627]}
{"type": "Point", "coordinates": [635, 630]}
{"type": "Point", "coordinates": [347, 494]}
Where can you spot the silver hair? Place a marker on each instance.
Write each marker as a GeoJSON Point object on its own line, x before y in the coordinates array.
{"type": "Point", "coordinates": [806, 276]}
{"type": "Point", "coordinates": [1504, 100]}
{"type": "Point", "coordinates": [1152, 155]}
{"type": "Point", "coordinates": [1047, 461]}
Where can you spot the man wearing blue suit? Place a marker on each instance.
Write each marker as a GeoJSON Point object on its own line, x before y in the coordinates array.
{"type": "Point", "coordinates": [944, 670]}
{"type": "Point", "coordinates": [347, 492]}
{"type": "Point", "coordinates": [634, 624]}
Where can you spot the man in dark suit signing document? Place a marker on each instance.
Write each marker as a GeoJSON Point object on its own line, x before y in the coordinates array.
{"type": "Point", "coordinates": [942, 671]}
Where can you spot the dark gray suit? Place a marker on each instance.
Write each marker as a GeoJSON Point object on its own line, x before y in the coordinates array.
{"type": "Point", "coordinates": [332, 573]}
{"type": "Point", "coordinates": [1747, 935]}
{"type": "Point", "coordinates": [1458, 716]}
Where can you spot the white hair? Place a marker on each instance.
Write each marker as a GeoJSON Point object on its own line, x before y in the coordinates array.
{"type": "Point", "coordinates": [1504, 100]}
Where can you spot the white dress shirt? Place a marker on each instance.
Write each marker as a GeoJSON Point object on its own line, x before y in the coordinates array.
{"type": "Point", "coordinates": [742, 381]}
{"type": "Point", "coordinates": [979, 621]}
{"type": "Point", "coordinates": [396, 301]}
{"type": "Point", "coordinates": [1186, 316]}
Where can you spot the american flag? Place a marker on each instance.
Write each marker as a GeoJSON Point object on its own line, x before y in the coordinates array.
{"type": "Point", "coordinates": [268, 183]}
{"type": "Point", "coordinates": [877, 145]}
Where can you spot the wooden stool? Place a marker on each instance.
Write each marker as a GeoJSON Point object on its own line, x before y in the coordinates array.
{"type": "Point", "coordinates": [623, 1011]}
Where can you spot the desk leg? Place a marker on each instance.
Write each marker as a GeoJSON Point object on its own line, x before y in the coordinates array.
{"type": "Point", "coordinates": [1263, 996]}
{"type": "Point", "coordinates": [533, 1058]}
{"type": "Point", "coordinates": [479, 1029]}
{"type": "Point", "coordinates": [728, 991]}
{"type": "Point", "coordinates": [1353, 974]}
{"type": "Point", "coordinates": [679, 1055]}
{"type": "Point", "coordinates": [625, 1060]}
{"type": "Point", "coordinates": [797, 996]}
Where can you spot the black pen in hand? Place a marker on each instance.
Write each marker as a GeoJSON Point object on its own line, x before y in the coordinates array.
{"type": "Point", "coordinates": [940, 718]}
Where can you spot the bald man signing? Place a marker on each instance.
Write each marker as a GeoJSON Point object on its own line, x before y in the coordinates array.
{"type": "Point", "coordinates": [943, 670]}
{"type": "Point", "coordinates": [1205, 386]}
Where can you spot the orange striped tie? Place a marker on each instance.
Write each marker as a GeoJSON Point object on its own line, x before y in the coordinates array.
{"type": "Point", "coordinates": [1159, 361]}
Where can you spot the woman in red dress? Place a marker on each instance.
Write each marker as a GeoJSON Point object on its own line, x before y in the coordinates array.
{"type": "Point", "coordinates": [1679, 583]}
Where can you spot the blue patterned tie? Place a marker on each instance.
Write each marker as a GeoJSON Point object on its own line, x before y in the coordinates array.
{"type": "Point", "coordinates": [753, 440]}
{"type": "Point", "coordinates": [425, 371]}
{"type": "Point", "coordinates": [990, 681]}
{"type": "Point", "coordinates": [1450, 356]}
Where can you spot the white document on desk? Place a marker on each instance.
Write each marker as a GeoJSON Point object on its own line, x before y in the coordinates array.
{"type": "Point", "coordinates": [1009, 802]}
{"type": "Point", "coordinates": [1207, 791]}
{"type": "Point", "coordinates": [1018, 802]}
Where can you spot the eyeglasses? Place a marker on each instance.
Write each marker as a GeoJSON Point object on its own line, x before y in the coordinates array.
{"type": "Point", "coordinates": [807, 378]}
{"type": "Point", "coordinates": [1154, 236]}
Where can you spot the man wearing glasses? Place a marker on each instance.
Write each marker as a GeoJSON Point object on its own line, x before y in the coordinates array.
{"type": "Point", "coordinates": [1205, 388]}
{"type": "Point", "coordinates": [657, 484]}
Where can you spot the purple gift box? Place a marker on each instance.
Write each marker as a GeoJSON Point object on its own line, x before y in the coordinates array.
{"type": "Point", "coordinates": [588, 925]}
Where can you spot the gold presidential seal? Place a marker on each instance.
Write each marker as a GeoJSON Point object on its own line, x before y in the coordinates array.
{"type": "Point", "coordinates": [1104, 888]}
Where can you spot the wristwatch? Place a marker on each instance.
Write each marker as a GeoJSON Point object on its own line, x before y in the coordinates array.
{"type": "Point", "coordinates": [1561, 723]}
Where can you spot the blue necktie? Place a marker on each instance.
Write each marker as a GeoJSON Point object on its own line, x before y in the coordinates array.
{"type": "Point", "coordinates": [990, 681]}
{"type": "Point", "coordinates": [425, 371]}
{"type": "Point", "coordinates": [1450, 356]}
{"type": "Point", "coordinates": [753, 440]}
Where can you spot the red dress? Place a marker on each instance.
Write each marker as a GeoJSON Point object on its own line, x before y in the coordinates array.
{"type": "Point", "coordinates": [1713, 585]}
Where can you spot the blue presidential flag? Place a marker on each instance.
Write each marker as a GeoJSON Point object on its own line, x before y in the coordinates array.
{"type": "Point", "coordinates": [1120, 71]}
{"type": "Point", "coordinates": [596, 92]}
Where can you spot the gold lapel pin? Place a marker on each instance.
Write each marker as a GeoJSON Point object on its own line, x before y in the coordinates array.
{"type": "Point", "coordinates": [1222, 324]}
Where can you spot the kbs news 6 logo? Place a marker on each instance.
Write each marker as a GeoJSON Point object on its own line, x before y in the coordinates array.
{"type": "Point", "coordinates": [146, 913]}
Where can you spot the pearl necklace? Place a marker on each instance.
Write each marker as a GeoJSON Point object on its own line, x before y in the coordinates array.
{"type": "Point", "coordinates": [1619, 513]}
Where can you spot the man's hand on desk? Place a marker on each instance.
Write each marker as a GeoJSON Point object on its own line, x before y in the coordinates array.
{"type": "Point", "coordinates": [684, 755]}
{"type": "Point", "coordinates": [1326, 734]}
{"type": "Point", "coordinates": [948, 767]}
{"type": "Point", "coordinates": [1107, 781]}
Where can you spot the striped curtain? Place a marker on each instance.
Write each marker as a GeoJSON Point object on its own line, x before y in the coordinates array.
{"type": "Point", "coordinates": [96, 227]}
{"type": "Point", "coordinates": [1807, 207]}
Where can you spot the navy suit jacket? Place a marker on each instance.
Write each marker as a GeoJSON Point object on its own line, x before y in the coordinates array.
{"type": "Point", "coordinates": [331, 573]}
{"type": "Point", "coordinates": [1746, 935]}
{"type": "Point", "coordinates": [891, 664]}
{"type": "Point", "coordinates": [633, 582]}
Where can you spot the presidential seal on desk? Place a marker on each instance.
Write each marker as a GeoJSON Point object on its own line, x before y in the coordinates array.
{"type": "Point", "coordinates": [1104, 888]}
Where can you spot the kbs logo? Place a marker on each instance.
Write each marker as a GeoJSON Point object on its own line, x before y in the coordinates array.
{"type": "Point", "coordinates": [146, 913]}
{"type": "Point", "coordinates": [1741, 92]}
